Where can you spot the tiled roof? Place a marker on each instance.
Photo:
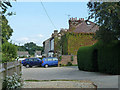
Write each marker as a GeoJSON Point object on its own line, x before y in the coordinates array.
{"type": "Point", "coordinates": [86, 27]}
{"type": "Point", "coordinates": [24, 53]}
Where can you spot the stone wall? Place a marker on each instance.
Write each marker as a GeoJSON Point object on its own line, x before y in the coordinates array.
{"type": "Point", "coordinates": [67, 58]}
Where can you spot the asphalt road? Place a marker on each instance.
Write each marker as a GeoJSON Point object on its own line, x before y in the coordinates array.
{"type": "Point", "coordinates": [70, 73]}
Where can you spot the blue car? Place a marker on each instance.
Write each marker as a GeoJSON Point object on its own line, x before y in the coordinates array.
{"type": "Point", "coordinates": [50, 61]}
{"type": "Point", "coordinates": [29, 62]}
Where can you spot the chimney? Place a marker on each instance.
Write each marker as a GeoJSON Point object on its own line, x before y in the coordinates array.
{"type": "Point", "coordinates": [55, 31]}
{"type": "Point", "coordinates": [76, 18]}
{"type": "Point", "coordinates": [83, 19]}
{"type": "Point", "coordinates": [72, 18]}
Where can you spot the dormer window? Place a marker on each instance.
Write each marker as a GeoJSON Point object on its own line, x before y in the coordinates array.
{"type": "Point", "coordinates": [88, 23]}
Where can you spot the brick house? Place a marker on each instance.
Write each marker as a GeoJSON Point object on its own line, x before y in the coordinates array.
{"type": "Point", "coordinates": [67, 42]}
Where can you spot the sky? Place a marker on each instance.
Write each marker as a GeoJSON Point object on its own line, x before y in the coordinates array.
{"type": "Point", "coordinates": [31, 24]}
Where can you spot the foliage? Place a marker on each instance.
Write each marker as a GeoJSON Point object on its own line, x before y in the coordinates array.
{"type": "Point", "coordinates": [64, 44]}
{"type": "Point", "coordinates": [12, 82]}
{"type": "Point", "coordinates": [6, 30]}
{"type": "Point", "coordinates": [84, 57]}
{"type": "Point", "coordinates": [57, 47]}
{"type": "Point", "coordinates": [69, 64]}
{"type": "Point", "coordinates": [107, 59]}
{"type": "Point", "coordinates": [107, 16]}
{"type": "Point", "coordinates": [30, 47]}
{"type": "Point", "coordinates": [9, 52]}
{"type": "Point", "coordinates": [72, 41]}
{"type": "Point", "coordinates": [60, 58]}
{"type": "Point", "coordinates": [72, 58]}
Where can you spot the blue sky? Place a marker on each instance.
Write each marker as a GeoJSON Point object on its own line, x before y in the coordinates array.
{"type": "Point", "coordinates": [31, 24]}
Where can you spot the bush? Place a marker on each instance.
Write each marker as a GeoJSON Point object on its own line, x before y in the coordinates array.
{"type": "Point", "coordinates": [109, 58]}
{"type": "Point", "coordinates": [12, 82]}
{"type": "Point", "coordinates": [72, 58]}
{"type": "Point", "coordinates": [69, 64]}
{"type": "Point", "coordinates": [84, 58]}
{"type": "Point", "coordinates": [102, 57]}
{"type": "Point", "coordinates": [9, 52]}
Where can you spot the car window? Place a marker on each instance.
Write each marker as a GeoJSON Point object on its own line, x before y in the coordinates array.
{"type": "Point", "coordinates": [35, 59]}
{"type": "Point", "coordinates": [55, 59]}
{"type": "Point", "coordinates": [26, 59]}
{"type": "Point", "coordinates": [49, 59]}
{"type": "Point", "coordinates": [30, 59]}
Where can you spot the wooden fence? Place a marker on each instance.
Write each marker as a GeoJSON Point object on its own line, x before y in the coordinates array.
{"type": "Point", "coordinates": [8, 69]}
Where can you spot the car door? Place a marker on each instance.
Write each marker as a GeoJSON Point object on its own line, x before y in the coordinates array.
{"type": "Point", "coordinates": [49, 61]}
{"type": "Point", "coordinates": [55, 61]}
{"type": "Point", "coordinates": [36, 61]}
{"type": "Point", "coordinates": [31, 63]}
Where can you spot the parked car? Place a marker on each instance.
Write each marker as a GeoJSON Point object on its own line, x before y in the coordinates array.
{"type": "Point", "coordinates": [50, 61]}
{"type": "Point", "coordinates": [29, 62]}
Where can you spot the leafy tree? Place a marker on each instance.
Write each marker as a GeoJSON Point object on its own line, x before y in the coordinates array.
{"type": "Point", "coordinates": [32, 47]}
{"type": "Point", "coordinates": [107, 16]}
{"type": "Point", "coordinates": [9, 52]}
{"type": "Point", "coordinates": [6, 30]}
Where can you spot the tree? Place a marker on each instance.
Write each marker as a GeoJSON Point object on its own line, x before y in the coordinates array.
{"type": "Point", "coordinates": [107, 16]}
{"type": "Point", "coordinates": [32, 47]}
{"type": "Point", "coordinates": [9, 51]}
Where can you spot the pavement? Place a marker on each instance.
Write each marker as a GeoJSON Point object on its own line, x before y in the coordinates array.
{"type": "Point", "coordinates": [70, 73]}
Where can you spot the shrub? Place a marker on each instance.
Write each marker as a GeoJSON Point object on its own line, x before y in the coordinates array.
{"type": "Point", "coordinates": [84, 58]}
{"type": "Point", "coordinates": [72, 58]}
{"type": "Point", "coordinates": [69, 64]}
{"type": "Point", "coordinates": [102, 57]}
{"type": "Point", "coordinates": [9, 52]}
{"type": "Point", "coordinates": [60, 58]}
{"type": "Point", "coordinates": [12, 82]}
{"type": "Point", "coordinates": [109, 58]}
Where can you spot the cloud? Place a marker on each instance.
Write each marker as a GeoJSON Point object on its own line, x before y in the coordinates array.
{"type": "Point", "coordinates": [38, 39]}
{"type": "Point", "coordinates": [40, 35]}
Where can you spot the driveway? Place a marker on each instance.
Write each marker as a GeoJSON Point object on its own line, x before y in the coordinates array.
{"type": "Point", "coordinates": [70, 73]}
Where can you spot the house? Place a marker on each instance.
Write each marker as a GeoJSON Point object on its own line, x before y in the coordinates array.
{"type": "Point", "coordinates": [49, 44]}
{"type": "Point", "coordinates": [80, 33]}
{"type": "Point", "coordinates": [38, 54]}
{"type": "Point", "coordinates": [68, 41]}
{"type": "Point", "coordinates": [23, 54]}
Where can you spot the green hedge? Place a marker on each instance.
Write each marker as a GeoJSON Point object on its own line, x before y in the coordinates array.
{"type": "Point", "coordinates": [109, 57]}
{"type": "Point", "coordinates": [84, 56]}
{"type": "Point", "coordinates": [100, 57]}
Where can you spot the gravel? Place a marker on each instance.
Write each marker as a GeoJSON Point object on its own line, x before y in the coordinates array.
{"type": "Point", "coordinates": [60, 84]}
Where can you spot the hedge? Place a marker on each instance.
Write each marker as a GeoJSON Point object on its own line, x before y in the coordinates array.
{"type": "Point", "coordinates": [84, 56]}
{"type": "Point", "coordinates": [109, 57]}
{"type": "Point", "coordinates": [100, 57]}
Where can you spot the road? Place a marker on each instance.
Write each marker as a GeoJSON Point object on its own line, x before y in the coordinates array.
{"type": "Point", "coordinates": [70, 73]}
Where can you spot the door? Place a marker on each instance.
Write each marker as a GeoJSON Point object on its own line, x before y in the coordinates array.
{"type": "Point", "coordinates": [36, 61]}
{"type": "Point", "coordinates": [55, 61]}
{"type": "Point", "coordinates": [31, 63]}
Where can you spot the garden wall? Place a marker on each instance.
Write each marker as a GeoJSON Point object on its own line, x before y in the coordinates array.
{"type": "Point", "coordinates": [68, 58]}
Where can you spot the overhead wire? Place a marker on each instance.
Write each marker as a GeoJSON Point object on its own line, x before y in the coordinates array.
{"type": "Point", "coordinates": [48, 15]}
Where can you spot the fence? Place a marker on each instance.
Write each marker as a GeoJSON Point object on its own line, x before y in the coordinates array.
{"type": "Point", "coordinates": [8, 69]}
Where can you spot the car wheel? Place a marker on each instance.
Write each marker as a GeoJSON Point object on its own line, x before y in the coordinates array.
{"type": "Point", "coordinates": [46, 66]}
{"type": "Point", "coordinates": [27, 66]}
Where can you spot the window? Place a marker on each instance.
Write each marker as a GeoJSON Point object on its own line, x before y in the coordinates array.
{"type": "Point", "coordinates": [35, 59]}
{"type": "Point", "coordinates": [49, 59]}
{"type": "Point", "coordinates": [30, 59]}
{"type": "Point", "coordinates": [55, 59]}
